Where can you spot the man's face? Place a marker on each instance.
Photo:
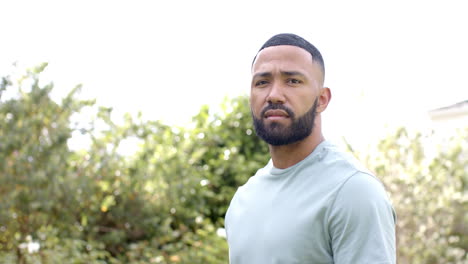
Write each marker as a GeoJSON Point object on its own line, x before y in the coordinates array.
{"type": "Point", "coordinates": [284, 94]}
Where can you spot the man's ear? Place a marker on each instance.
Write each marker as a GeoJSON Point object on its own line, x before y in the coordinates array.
{"type": "Point", "coordinates": [323, 99]}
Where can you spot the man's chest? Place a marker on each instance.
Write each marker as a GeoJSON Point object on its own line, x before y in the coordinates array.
{"type": "Point", "coordinates": [282, 226]}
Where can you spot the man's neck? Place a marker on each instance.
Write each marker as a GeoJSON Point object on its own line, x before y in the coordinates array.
{"type": "Point", "coordinates": [286, 156]}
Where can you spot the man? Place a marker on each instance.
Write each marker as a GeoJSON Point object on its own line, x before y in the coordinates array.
{"type": "Point", "coordinates": [311, 203]}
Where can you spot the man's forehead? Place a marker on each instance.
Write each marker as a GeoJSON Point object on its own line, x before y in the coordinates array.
{"type": "Point", "coordinates": [287, 58]}
{"type": "Point", "coordinates": [283, 53]}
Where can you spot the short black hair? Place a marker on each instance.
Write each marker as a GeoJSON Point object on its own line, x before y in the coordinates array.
{"type": "Point", "coordinates": [295, 40]}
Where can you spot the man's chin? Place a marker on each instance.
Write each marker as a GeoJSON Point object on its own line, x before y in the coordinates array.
{"type": "Point", "coordinates": [278, 141]}
{"type": "Point", "coordinates": [276, 124]}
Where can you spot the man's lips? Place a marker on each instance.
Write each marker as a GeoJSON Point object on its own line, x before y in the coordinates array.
{"type": "Point", "coordinates": [276, 114]}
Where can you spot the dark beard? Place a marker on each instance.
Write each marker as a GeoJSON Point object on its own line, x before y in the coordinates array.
{"type": "Point", "coordinates": [277, 134]}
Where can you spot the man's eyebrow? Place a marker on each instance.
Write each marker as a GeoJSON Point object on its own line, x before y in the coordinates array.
{"type": "Point", "coordinates": [262, 74]}
{"type": "Point", "coordinates": [285, 73]}
{"type": "Point", "coordinates": [292, 73]}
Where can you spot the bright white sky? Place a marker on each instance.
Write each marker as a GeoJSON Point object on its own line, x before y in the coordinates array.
{"type": "Point", "coordinates": [387, 62]}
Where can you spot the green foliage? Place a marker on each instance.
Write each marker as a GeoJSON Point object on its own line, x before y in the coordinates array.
{"type": "Point", "coordinates": [227, 153]}
{"type": "Point", "coordinates": [34, 159]}
{"type": "Point", "coordinates": [98, 204]}
{"type": "Point", "coordinates": [165, 201]}
{"type": "Point", "coordinates": [429, 193]}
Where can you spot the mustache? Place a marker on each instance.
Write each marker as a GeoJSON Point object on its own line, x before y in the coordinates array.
{"type": "Point", "coordinates": [278, 107]}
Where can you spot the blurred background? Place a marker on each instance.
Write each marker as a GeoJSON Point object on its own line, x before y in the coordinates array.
{"type": "Point", "coordinates": [126, 128]}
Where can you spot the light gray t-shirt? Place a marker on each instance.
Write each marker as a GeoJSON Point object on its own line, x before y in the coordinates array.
{"type": "Point", "coordinates": [324, 209]}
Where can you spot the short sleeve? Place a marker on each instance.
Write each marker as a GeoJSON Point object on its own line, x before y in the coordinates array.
{"type": "Point", "coordinates": [362, 223]}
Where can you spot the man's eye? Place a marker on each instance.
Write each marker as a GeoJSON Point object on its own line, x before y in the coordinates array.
{"type": "Point", "coordinates": [294, 81]}
{"type": "Point", "coordinates": [260, 83]}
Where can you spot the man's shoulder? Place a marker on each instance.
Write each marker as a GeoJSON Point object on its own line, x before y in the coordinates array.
{"type": "Point", "coordinates": [336, 161]}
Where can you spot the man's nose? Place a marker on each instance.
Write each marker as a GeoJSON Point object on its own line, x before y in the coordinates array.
{"type": "Point", "coordinates": [276, 95]}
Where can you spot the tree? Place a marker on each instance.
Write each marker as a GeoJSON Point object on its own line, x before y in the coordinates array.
{"type": "Point", "coordinates": [34, 182]}
{"type": "Point", "coordinates": [429, 193]}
